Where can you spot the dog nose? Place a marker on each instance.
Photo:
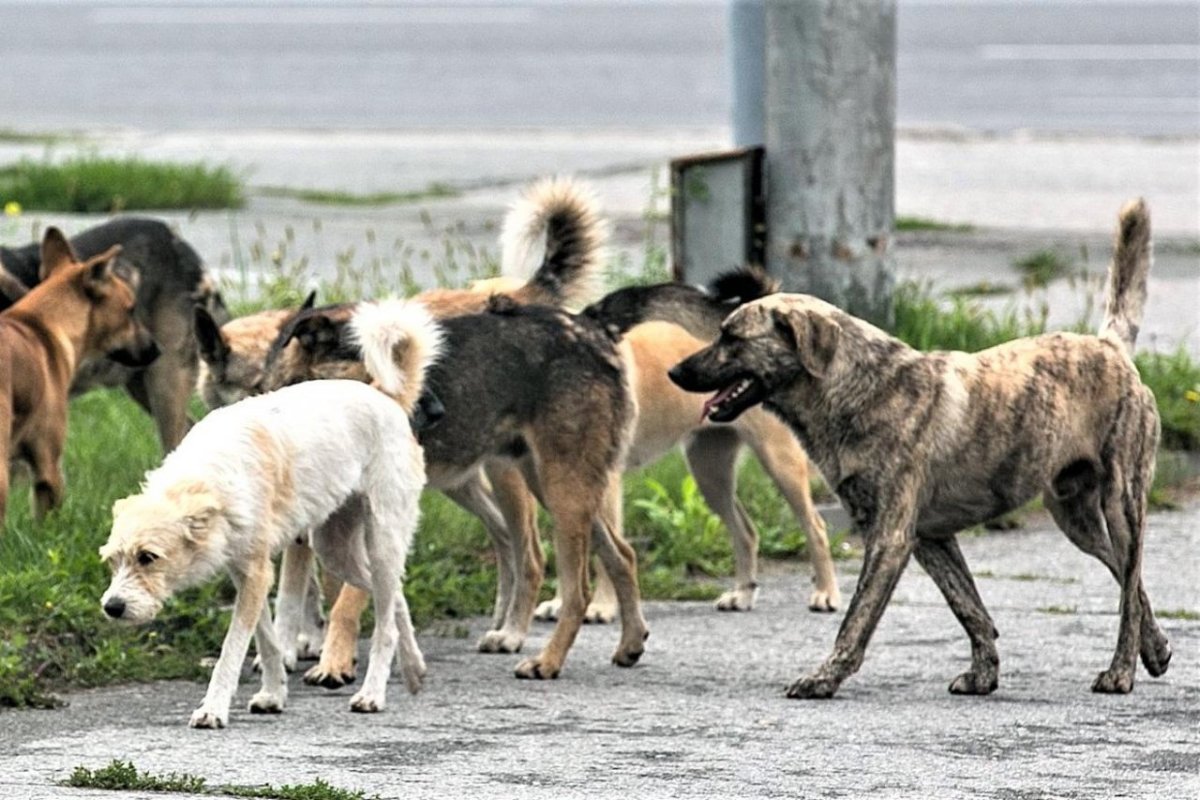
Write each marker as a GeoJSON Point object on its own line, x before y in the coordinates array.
{"type": "Point", "coordinates": [675, 373]}
{"type": "Point", "coordinates": [115, 607]}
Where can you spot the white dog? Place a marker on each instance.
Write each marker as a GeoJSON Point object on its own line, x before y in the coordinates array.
{"type": "Point", "coordinates": [338, 457]}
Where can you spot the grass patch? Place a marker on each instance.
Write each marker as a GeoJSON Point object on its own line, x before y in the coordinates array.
{"type": "Point", "coordinates": [123, 776]}
{"type": "Point", "coordinates": [434, 191]}
{"type": "Point", "coordinates": [1040, 268]}
{"type": "Point", "coordinates": [14, 136]}
{"type": "Point", "coordinates": [1178, 613]}
{"type": "Point", "coordinates": [106, 184]}
{"type": "Point", "coordinates": [926, 224]}
{"type": "Point", "coordinates": [1064, 610]}
{"type": "Point", "coordinates": [981, 289]}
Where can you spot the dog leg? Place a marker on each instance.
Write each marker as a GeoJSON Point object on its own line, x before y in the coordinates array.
{"type": "Point", "coordinates": [295, 571]}
{"type": "Point", "coordinates": [890, 540]}
{"type": "Point", "coordinates": [943, 560]}
{"type": "Point", "coordinates": [605, 601]}
{"type": "Point", "coordinates": [475, 498]}
{"type": "Point", "coordinates": [169, 382]}
{"type": "Point", "coordinates": [312, 622]}
{"type": "Point", "coordinates": [519, 509]}
{"type": "Point", "coordinates": [572, 530]}
{"type": "Point", "coordinates": [46, 458]}
{"type": "Point", "coordinates": [336, 667]}
{"type": "Point", "coordinates": [271, 698]}
{"type": "Point", "coordinates": [252, 588]}
{"type": "Point", "coordinates": [1124, 531]}
{"type": "Point", "coordinates": [620, 563]}
{"type": "Point", "coordinates": [386, 558]}
{"type": "Point", "coordinates": [788, 465]}
{"type": "Point", "coordinates": [712, 457]}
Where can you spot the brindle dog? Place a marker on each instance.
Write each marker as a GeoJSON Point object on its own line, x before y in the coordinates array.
{"type": "Point", "coordinates": [922, 445]}
{"type": "Point", "coordinates": [79, 311]}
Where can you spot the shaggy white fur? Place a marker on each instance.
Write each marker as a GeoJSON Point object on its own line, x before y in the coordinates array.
{"type": "Point", "coordinates": [335, 456]}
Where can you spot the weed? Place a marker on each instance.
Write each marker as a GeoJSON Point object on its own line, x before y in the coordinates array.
{"type": "Point", "coordinates": [981, 289]}
{"type": "Point", "coordinates": [123, 776]}
{"type": "Point", "coordinates": [1178, 613]}
{"type": "Point", "coordinates": [103, 184]}
{"type": "Point", "coordinates": [1058, 610]}
{"type": "Point", "coordinates": [434, 191]}
{"type": "Point", "coordinates": [1039, 269]}
{"type": "Point", "coordinates": [926, 224]}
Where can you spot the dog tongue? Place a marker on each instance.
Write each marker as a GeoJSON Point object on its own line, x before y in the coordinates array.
{"type": "Point", "coordinates": [715, 400]}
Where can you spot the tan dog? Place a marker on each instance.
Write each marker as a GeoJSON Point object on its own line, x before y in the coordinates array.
{"type": "Point", "coordinates": [78, 311]}
{"type": "Point", "coordinates": [919, 446]}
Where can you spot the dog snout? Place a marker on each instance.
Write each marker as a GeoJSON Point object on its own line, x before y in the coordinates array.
{"type": "Point", "coordinates": [114, 607]}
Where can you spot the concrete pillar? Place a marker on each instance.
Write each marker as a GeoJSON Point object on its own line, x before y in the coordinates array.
{"type": "Point", "coordinates": [830, 140]}
{"type": "Point", "coordinates": [747, 30]}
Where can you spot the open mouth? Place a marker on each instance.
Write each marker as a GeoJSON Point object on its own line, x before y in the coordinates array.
{"type": "Point", "coordinates": [727, 404]}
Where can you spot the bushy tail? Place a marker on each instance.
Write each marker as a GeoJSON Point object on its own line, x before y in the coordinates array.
{"type": "Point", "coordinates": [400, 340]}
{"type": "Point", "coordinates": [559, 216]}
{"type": "Point", "coordinates": [1127, 275]}
{"type": "Point", "coordinates": [742, 286]}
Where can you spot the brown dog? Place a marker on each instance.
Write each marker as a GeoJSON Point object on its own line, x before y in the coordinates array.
{"type": "Point", "coordinates": [78, 311]}
{"type": "Point", "coordinates": [922, 445]}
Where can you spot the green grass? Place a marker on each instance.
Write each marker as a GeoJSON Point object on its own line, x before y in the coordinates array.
{"type": "Point", "coordinates": [925, 224]}
{"type": "Point", "coordinates": [1041, 268]}
{"type": "Point", "coordinates": [106, 184]}
{"type": "Point", "coordinates": [1178, 613]}
{"type": "Point", "coordinates": [434, 191]}
{"type": "Point", "coordinates": [123, 776]}
{"type": "Point", "coordinates": [1063, 610]}
{"type": "Point", "coordinates": [14, 136]}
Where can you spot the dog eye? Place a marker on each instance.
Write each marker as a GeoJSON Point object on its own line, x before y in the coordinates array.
{"type": "Point", "coordinates": [145, 558]}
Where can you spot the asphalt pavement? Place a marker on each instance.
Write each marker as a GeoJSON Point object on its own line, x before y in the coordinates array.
{"type": "Point", "coordinates": [703, 714]}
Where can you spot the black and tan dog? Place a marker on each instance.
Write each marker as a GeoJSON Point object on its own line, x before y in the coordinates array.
{"type": "Point", "coordinates": [919, 446]}
{"type": "Point", "coordinates": [314, 343]}
{"type": "Point", "coordinates": [79, 311]}
{"type": "Point", "coordinates": [170, 280]}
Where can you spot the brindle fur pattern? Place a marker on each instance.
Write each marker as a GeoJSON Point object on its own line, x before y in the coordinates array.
{"type": "Point", "coordinates": [170, 280]}
{"type": "Point", "coordinates": [920, 446]}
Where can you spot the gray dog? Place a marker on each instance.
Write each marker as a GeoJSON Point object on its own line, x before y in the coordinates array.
{"type": "Point", "coordinates": [922, 445]}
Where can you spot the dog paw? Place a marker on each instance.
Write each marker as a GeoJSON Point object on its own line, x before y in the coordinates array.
{"type": "Point", "coordinates": [1156, 656]}
{"type": "Point", "coordinates": [534, 669]}
{"type": "Point", "coordinates": [330, 677]}
{"type": "Point", "coordinates": [737, 600]}
{"type": "Point", "coordinates": [362, 703]}
{"type": "Point", "coordinates": [208, 719]}
{"type": "Point", "coordinates": [308, 649]}
{"type": "Point", "coordinates": [1113, 682]}
{"type": "Point", "coordinates": [628, 656]}
{"type": "Point", "coordinates": [812, 687]}
{"type": "Point", "coordinates": [501, 642]}
{"type": "Point", "coordinates": [266, 703]}
{"type": "Point", "coordinates": [600, 614]}
{"type": "Point", "coordinates": [548, 611]}
{"type": "Point", "coordinates": [824, 602]}
{"type": "Point", "coordinates": [414, 675]}
{"type": "Point", "coordinates": [974, 683]}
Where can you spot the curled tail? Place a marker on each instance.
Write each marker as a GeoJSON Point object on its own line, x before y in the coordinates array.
{"type": "Point", "coordinates": [561, 216]}
{"type": "Point", "coordinates": [1127, 275]}
{"type": "Point", "coordinates": [742, 286]}
{"type": "Point", "coordinates": [400, 340]}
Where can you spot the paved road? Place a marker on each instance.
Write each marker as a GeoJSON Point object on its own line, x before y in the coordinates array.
{"type": "Point", "coordinates": [1128, 67]}
{"type": "Point", "coordinates": [703, 715]}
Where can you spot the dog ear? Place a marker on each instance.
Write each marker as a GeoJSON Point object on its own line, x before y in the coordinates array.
{"type": "Point", "coordinates": [198, 507]}
{"type": "Point", "coordinates": [814, 337]}
{"type": "Point", "coordinates": [56, 252]}
{"type": "Point", "coordinates": [120, 505]}
{"type": "Point", "coordinates": [310, 301]}
{"type": "Point", "coordinates": [213, 347]}
{"type": "Point", "coordinates": [100, 271]}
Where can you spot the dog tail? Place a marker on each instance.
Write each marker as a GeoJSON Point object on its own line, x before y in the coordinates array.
{"type": "Point", "coordinates": [400, 340]}
{"type": "Point", "coordinates": [741, 286]}
{"type": "Point", "coordinates": [1127, 275]}
{"type": "Point", "coordinates": [561, 217]}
